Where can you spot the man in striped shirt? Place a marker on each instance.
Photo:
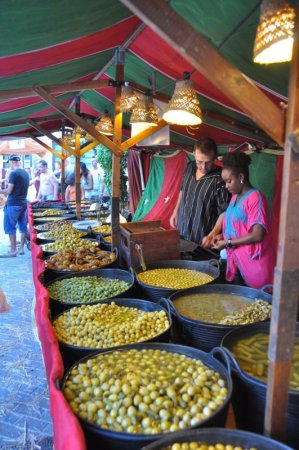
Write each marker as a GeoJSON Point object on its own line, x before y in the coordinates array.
{"type": "Point", "coordinates": [203, 196]}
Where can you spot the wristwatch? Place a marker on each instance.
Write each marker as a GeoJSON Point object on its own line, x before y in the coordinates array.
{"type": "Point", "coordinates": [229, 243]}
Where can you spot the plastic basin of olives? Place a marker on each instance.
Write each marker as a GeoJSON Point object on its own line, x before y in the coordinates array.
{"type": "Point", "coordinates": [40, 220]}
{"type": "Point", "coordinates": [97, 437]}
{"type": "Point", "coordinates": [71, 353]}
{"type": "Point", "coordinates": [213, 436]}
{"type": "Point", "coordinates": [57, 306]}
{"type": "Point", "coordinates": [155, 293]}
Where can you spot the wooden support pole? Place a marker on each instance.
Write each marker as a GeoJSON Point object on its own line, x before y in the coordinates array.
{"type": "Point", "coordinates": [77, 120]}
{"type": "Point", "coordinates": [286, 285]}
{"type": "Point", "coordinates": [51, 88]}
{"type": "Point", "coordinates": [195, 48]}
{"type": "Point", "coordinates": [78, 178]}
{"type": "Point", "coordinates": [88, 147]}
{"type": "Point", "coordinates": [119, 76]}
{"type": "Point", "coordinates": [63, 174]}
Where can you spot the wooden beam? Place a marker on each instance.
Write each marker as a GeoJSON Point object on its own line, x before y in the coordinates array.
{"type": "Point", "coordinates": [77, 120]}
{"type": "Point", "coordinates": [88, 147]}
{"type": "Point", "coordinates": [63, 174]}
{"type": "Point", "coordinates": [47, 147]}
{"type": "Point", "coordinates": [286, 286]}
{"type": "Point", "coordinates": [195, 48]}
{"type": "Point", "coordinates": [23, 120]}
{"type": "Point", "coordinates": [10, 94]}
{"type": "Point", "coordinates": [50, 136]}
{"type": "Point", "coordinates": [144, 134]}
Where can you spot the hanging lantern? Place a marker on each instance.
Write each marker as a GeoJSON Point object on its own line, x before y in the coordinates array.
{"type": "Point", "coordinates": [128, 99]}
{"type": "Point", "coordinates": [79, 130]}
{"type": "Point", "coordinates": [275, 34]}
{"type": "Point", "coordinates": [145, 111]}
{"type": "Point", "coordinates": [105, 125]}
{"type": "Point", "coordinates": [68, 138]}
{"type": "Point", "coordinates": [184, 107]}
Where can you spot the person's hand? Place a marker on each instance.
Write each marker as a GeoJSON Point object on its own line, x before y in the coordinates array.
{"type": "Point", "coordinates": [207, 241]}
{"type": "Point", "coordinates": [173, 220]}
{"type": "Point", "coordinates": [218, 244]}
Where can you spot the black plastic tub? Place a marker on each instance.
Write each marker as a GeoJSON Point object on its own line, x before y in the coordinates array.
{"type": "Point", "coordinates": [57, 307]}
{"type": "Point", "coordinates": [48, 204]}
{"type": "Point", "coordinates": [97, 437]}
{"type": "Point", "coordinates": [39, 220]}
{"type": "Point", "coordinates": [213, 436]}
{"type": "Point", "coordinates": [72, 354]}
{"type": "Point", "coordinates": [204, 335]}
{"type": "Point", "coordinates": [249, 393]}
{"type": "Point", "coordinates": [52, 274]}
{"type": "Point", "coordinates": [154, 293]}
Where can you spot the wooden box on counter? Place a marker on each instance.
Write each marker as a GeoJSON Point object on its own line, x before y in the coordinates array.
{"type": "Point", "coordinates": [157, 243]}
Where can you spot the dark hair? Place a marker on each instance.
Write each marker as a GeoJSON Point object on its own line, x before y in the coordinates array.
{"type": "Point", "coordinates": [43, 162]}
{"type": "Point", "coordinates": [206, 146]}
{"type": "Point", "coordinates": [83, 169]}
{"type": "Point", "coordinates": [237, 162]}
{"type": "Point", "coordinates": [71, 179]}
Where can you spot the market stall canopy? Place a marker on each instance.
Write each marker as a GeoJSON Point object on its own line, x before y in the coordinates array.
{"type": "Point", "coordinates": [21, 147]}
{"type": "Point", "coordinates": [54, 42]}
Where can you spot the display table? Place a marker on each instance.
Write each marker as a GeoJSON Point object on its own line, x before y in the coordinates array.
{"type": "Point", "coordinates": [68, 433]}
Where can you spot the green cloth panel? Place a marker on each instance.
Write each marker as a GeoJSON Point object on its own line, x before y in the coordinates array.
{"type": "Point", "coordinates": [262, 171]}
{"type": "Point", "coordinates": [154, 185]}
{"type": "Point", "coordinates": [152, 189]}
{"type": "Point", "coordinates": [59, 73]}
{"type": "Point", "coordinates": [31, 24]}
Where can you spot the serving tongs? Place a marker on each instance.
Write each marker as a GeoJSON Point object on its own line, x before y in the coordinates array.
{"type": "Point", "coordinates": [139, 249]}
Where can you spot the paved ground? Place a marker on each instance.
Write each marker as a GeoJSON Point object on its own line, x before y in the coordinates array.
{"type": "Point", "coordinates": [25, 422]}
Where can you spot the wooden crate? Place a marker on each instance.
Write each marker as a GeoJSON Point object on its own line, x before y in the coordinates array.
{"type": "Point", "coordinates": [157, 243]}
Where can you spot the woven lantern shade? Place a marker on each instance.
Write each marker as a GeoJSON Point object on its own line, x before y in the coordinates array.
{"type": "Point", "coordinates": [105, 125]}
{"type": "Point", "coordinates": [128, 99]}
{"type": "Point", "coordinates": [145, 111]}
{"type": "Point", "coordinates": [79, 130]}
{"type": "Point", "coordinates": [184, 107]}
{"type": "Point", "coordinates": [274, 37]}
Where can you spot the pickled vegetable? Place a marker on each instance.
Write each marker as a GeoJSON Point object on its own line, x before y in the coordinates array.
{"type": "Point", "coordinates": [174, 278]}
{"type": "Point", "coordinates": [86, 289]}
{"type": "Point", "coordinates": [144, 391]}
{"type": "Point", "coordinates": [104, 325]}
{"type": "Point", "coordinates": [50, 212]}
{"type": "Point", "coordinates": [203, 446]}
{"type": "Point", "coordinates": [79, 260]}
{"type": "Point", "coordinates": [252, 356]}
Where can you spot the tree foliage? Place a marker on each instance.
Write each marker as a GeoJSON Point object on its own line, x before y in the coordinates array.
{"type": "Point", "coordinates": [104, 157]}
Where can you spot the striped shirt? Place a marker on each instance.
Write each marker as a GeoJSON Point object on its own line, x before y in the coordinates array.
{"type": "Point", "coordinates": [201, 204]}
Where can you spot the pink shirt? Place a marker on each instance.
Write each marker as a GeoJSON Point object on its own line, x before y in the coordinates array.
{"type": "Point", "coordinates": [255, 261]}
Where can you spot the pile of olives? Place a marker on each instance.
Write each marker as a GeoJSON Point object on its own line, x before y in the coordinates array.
{"type": "Point", "coordinates": [144, 391]}
{"type": "Point", "coordinates": [50, 212]}
{"type": "Point", "coordinates": [81, 259]}
{"type": "Point", "coordinates": [108, 325]}
{"type": "Point", "coordinates": [106, 229]}
{"type": "Point", "coordinates": [174, 278]}
{"type": "Point", "coordinates": [202, 446]}
{"type": "Point", "coordinates": [86, 289]}
{"type": "Point", "coordinates": [69, 242]}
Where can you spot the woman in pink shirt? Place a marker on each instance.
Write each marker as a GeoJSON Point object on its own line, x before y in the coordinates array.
{"type": "Point", "coordinates": [244, 228]}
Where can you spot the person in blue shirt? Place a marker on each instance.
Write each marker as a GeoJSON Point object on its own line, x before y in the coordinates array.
{"type": "Point", "coordinates": [15, 210]}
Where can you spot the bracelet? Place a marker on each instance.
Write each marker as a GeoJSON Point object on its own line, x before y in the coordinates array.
{"type": "Point", "coordinates": [229, 244]}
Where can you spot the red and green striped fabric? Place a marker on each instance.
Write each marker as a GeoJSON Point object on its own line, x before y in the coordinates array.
{"type": "Point", "coordinates": [57, 41]}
